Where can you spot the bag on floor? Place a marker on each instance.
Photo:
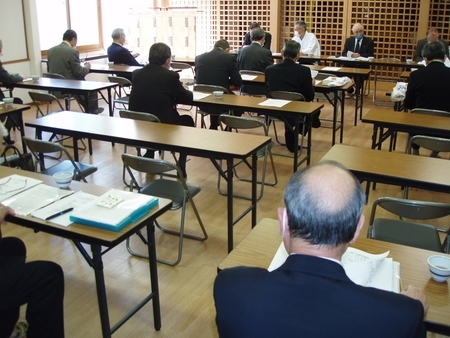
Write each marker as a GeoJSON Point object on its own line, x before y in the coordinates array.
{"type": "Point", "coordinates": [17, 160]}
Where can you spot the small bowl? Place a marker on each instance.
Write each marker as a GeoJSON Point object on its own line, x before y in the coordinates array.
{"type": "Point", "coordinates": [110, 64]}
{"type": "Point", "coordinates": [439, 267]}
{"type": "Point", "coordinates": [35, 77]}
{"type": "Point", "coordinates": [409, 61]}
{"type": "Point", "coordinates": [218, 94]}
{"type": "Point", "coordinates": [8, 101]}
{"type": "Point", "coordinates": [370, 58]}
{"type": "Point", "coordinates": [63, 178]}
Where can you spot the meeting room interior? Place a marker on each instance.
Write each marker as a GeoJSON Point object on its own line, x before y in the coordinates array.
{"type": "Point", "coordinates": [190, 28]}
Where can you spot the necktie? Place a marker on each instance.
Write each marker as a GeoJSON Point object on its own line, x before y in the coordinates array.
{"type": "Point", "coordinates": [358, 45]}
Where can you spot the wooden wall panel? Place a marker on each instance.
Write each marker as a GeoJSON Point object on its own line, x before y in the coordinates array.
{"type": "Point", "coordinates": [439, 18]}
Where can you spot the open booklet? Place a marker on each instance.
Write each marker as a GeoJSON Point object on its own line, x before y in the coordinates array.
{"type": "Point", "coordinates": [361, 267]}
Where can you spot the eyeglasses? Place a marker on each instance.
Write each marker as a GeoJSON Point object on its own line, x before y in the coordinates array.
{"type": "Point", "coordinates": [11, 186]}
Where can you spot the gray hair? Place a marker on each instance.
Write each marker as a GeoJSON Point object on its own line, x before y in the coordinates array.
{"type": "Point", "coordinates": [324, 204]}
{"type": "Point", "coordinates": [159, 53]}
{"type": "Point", "coordinates": [291, 49]}
{"type": "Point", "coordinates": [301, 23]}
{"type": "Point", "coordinates": [434, 50]}
{"type": "Point", "coordinates": [116, 33]}
{"type": "Point", "coordinates": [257, 34]}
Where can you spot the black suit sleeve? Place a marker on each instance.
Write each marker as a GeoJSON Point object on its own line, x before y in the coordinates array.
{"type": "Point", "coordinates": [126, 58]}
{"type": "Point", "coordinates": [180, 94]}
{"type": "Point", "coordinates": [410, 92]}
{"type": "Point", "coordinates": [370, 50]}
{"type": "Point", "coordinates": [247, 40]}
{"type": "Point", "coordinates": [235, 77]}
{"type": "Point", "coordinates": [268, 41]}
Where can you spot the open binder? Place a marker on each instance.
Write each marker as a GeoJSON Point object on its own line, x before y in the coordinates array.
{"type": "Point", "coordinates": [114, 210]}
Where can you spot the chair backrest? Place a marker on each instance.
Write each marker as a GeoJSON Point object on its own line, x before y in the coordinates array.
{"type": "Point", "coordinates": [250, 72]}
{"type": "Point", "coordinates": [39, 98]}
{"type": "Point", "coordinates": [237, 122]}
{"type": "Point", "coordinates": [135, 115]}
{"type": "Point", "coordinates": [284, 95]}
{"type": "Point", "coordinates": [418, 210]}
{"type": "Point", "coordinates": [436, 144]}
{"type": "Point", "coordinates": [209, 88]}
{"type": "Point", "coordinates": [180, 65]}
{"type": "Point", "coordinates": [430, 112]}
{"type": "Point", "coordinates": [121, 81]}
{"type": "Point", "coordinates": [53, 76]}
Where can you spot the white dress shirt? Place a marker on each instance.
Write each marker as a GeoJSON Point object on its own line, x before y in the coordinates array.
{"type": "Point", "coordinates": [309, 45]}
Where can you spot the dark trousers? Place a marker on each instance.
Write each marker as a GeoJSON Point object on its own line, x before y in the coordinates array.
{"type": "Point", "coordinates": [39, 284]}
{"type": "Point", "coordinates": [93, 102]}
{"type": "Point", "coordinates": [12, 117]}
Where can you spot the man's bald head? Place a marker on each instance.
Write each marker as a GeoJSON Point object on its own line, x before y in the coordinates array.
{"type": "Point", "coordinates": [324, 204]}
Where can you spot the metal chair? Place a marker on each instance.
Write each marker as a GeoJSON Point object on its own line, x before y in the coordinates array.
{"type": "Point", "coordinates": [384, 102]}
{"type": "Point", "coordinates": [418, 235]}
{"type": "Point", "coordinates": [256, 86]}
{"type": "Point", "coordinates": [291, 96]}
{"type": "Point", "coordinates": [435, 144]}
{"type": "Point", "coordinates": [38, 148]}
{"type": "Point", "coordinates": [182, 66]}
{"type": "Point", "coordinates": [235, 122]}
{"type": "Point", "coordinates": [207, 89]}
{"type": "Point", "coordinates": [120, 95]}
{"type": "Point", "coordinates": [431, 112]}
{"type": "Point", "coordinates": [178, 191]}
{"type": "Point", "coordinates": [67, 97]}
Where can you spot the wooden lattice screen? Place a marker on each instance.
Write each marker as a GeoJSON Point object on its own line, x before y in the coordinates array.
{"type": "Point", "coordinates": [438, 17]}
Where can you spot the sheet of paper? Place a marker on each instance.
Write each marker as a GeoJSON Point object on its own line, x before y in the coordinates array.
{"type": "Point", "coordinates": [246, 77]}
{"type": "Point", "coordinates": [15, 184]}
{"type": "Point", "coordinates": [27, 79]}
{"type": "Point", "coordinates": [314, 73]}
{"type": "Point", "coordinates": [280, 257]}
{"type": "Point", "coordinates": [359, 265]}
{"type": "Point", "coordinates": [332, 69]}
{"type": "Point", "coordinates": [316, 82]}
{"type": "Point", "coordinates": [75, 201]}
{"type": "Point", "coordinates": [274, 103]}
{"type": "Point", "coordinates": [35, 198]}
{"type": "Point", "coordinates": [200, 95]}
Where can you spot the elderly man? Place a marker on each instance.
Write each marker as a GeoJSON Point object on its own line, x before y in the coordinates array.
{"type": "Point", "coordinates": [248, 40]}
{"type": "Point", "coordinates": [64, 60]}
{"type": "Point", "coordinates": [117, 53]}
{"type": "Point", "coordinates": [292, 77]}
{"type": "Point", "coordinates": [432, 35]}
{"type": "Point", "coordinates": [310, 295]}
{"type": "Point", "coordinates": [219, 68]}
{"type": "Point", "coordinates": [359, 44]}
{"type": "Point", "coordinates": [157, 90]}
{"type": "Point", "coordinates": [308, 41]}
{"type": "Point", "coordinates": [254, 57]}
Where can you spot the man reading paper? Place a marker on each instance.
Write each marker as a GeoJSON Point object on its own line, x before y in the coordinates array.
{"type": "Point", "coordinates": [310, 294]}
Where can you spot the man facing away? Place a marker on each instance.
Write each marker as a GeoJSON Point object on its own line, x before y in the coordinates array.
{"type": "Point", "coordinates": [432, 36]}
{"type": "Point", "coordinates": [292, 77]}
{"type": "Point", "coordinates": [248, 40]}
{"type": "Point", "coordinates": [157, 90]}
{"type": "Point", "coordinates": [310, 295]}
{"type": "Point", "coordinates": [117, 53]}
{"type": "Point", "coordinates": [219, 68]}
{"type": "Point", "coordinates": [254, 57]}
{"type": "Point", "coordinates": [64, 60]}
{"type": "Point", "coordinates": [308, 41]}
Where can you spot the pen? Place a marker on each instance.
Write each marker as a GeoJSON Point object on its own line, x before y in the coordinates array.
{"type": "Point", "coordinates": [59, 214]}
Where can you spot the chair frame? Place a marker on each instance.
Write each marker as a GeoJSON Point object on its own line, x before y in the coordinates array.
{"type": "Point", "coordinates": [148, 165]}
{"type": "Point", "coordinates": [118, 98]}
{"type": "Point", "coordinates": [235, 122]}
{"type": "Point", "coordinates": [208, 89]}
{"type": "Point", "coordinates": [374, 97]}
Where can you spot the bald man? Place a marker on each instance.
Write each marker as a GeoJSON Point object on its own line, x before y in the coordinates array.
{"type": "Point", "coordinates": [310, 295]}
{"type": "Point", "coordinates": [358, 44]}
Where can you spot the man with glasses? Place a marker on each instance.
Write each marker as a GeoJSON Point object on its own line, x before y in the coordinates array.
{"type": "Point", "coordinates": [309, 45]}
{"type": "Point", "coordinates": [117, 53]}
{"type": "Point", "coordinates": [432, 35]}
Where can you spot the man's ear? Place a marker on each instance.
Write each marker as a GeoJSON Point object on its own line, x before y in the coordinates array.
{"type": "Point", "coordinates": [282, 218]}
{"type": "Point", "coordinates": [358, 229]}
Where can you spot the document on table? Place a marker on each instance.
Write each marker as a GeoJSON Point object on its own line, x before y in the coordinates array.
{"type": "Point", "coordinates": [200, 95]}
{"type": "Point", "coordinates": [15, 184]}
{"type": "Point", "coordinates": [246, 77]}
{"type": "Point", "coordinates": [75, 201]}
{"type": "Point", "coordinates": [35, 198]}
{"type": "Point", "coordinates": [274, 103]}
{"type": "Point", "coordinates": [331, 69]}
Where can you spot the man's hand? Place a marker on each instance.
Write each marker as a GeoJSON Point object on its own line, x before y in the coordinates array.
{"type": "Point", "coordinates": [4, 211]}
{"type": "Point", "coordinates": [356, 55]}
{"type": "Point", "coordinates": [135, 55]}
{"type": "Point", "coordinates": [415, 293]}
{"type": "Point", "coordinates": [87, 64]}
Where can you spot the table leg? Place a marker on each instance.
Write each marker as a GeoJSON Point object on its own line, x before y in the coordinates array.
{"type": "Point", "coordinates": [374, 136]}
{"type": "Point", "coordinates": [154, 275]}
{"type": "Point", "coordinates": [341, 136]}
{"type": "Point", "coordinates": [101, 290]}
{"type": "Point", "coordinates": [76, 157]}
{"type": "Point", "coordinates": [230, 203]}
{"type": "Point", "coordinates": [254, 184]}
{"type": "Point", "coordinates": [308, 151]}
{"type": "Point", "coordinates": [296, 131]}
{"type": "Point", "coordinates": [111, 110]}
{"type": "Point", "coordinates": [361, 97]}
{"type": "Point", "coordinates": [335, 115]}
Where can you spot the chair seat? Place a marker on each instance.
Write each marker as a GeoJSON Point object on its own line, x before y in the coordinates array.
{"type": "Point", "coordinates": [419, 235]}
{"type": "Point", "coordinates": [172, 190]}
{"type": "Point", "coordinates": [66, 165]}
{"type": "Point", "coordinates": [123, 100]}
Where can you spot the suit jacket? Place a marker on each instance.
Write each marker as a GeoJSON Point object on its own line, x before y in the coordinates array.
{"type": "Point", "coordinates": [267, 40]}
{"type": "Point", "coordinates": [420, 44]}
{"type": "Point", "coordinates": [219, 69]}
{"type": "Point", "coordinates": [120, 55]}
{"type": "Point", "coordinates": [65, 60]}
{"type": "Point", "coordinates": [7, 79]}
{"type": "Point", "coordinates": [254, 57]}
{"type": "Point", "coordinates": [290, 76]}
{"type": "Point", "coordinates": [366, 49]}
{"type": "Point", "coordinates": [157, 90]}
{"type": "Point", "coordinates": [309, 297]}
{"type": "Point", "coordinates": [428, 87]}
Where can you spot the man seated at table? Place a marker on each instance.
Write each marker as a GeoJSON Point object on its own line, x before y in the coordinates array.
{"type": "Point", "coordinates": [8, 79]}
{"type": "Point", "coordinates": [64, 60]}
{"type": "Point", "coordinates": [248, 40]}
{"type": "Point", "coordinates": [118, 54]}
{"type": "Point", "coordinates": [432, 35]}
{"type": "Point", "coordinates": [219, 68]}
{"type": "Point", "coordinates": [310, 295]}
{"type": "Point", "coordinates": [292, 77]}
{"type": "Point", "coordinates": [356, 46]}
{"type": "Point", "coordinates": [309, 45]}
{"type": "Point", "coordinates": [157, 90]}
{"type": "Point", "coordinates": [254, 57]}
{"type": "Point", "coordinates": [428, 87]}
{"type": "Point", "coordinates": [40, 284]}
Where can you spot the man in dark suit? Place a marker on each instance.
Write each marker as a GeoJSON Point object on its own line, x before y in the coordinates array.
{"type": "Point", "coordinates": [254, 57]}
{"type": "Point", "coordinates": [248, 40]}
{"type": "Point", "coordinates": [64, 60]}
{"type": "Point", "coordinates": [157, 90]}
{"type": "Point", "coordinates": [219, 68]}
{"type": "Point", "coordinates": [117, 53]}
{"type": "Point", "coordinates": [310, 295]}
{"type": "Point", "coordinates": [292, 77]}
{"type": "Point", "coordinates": [432, 35]}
